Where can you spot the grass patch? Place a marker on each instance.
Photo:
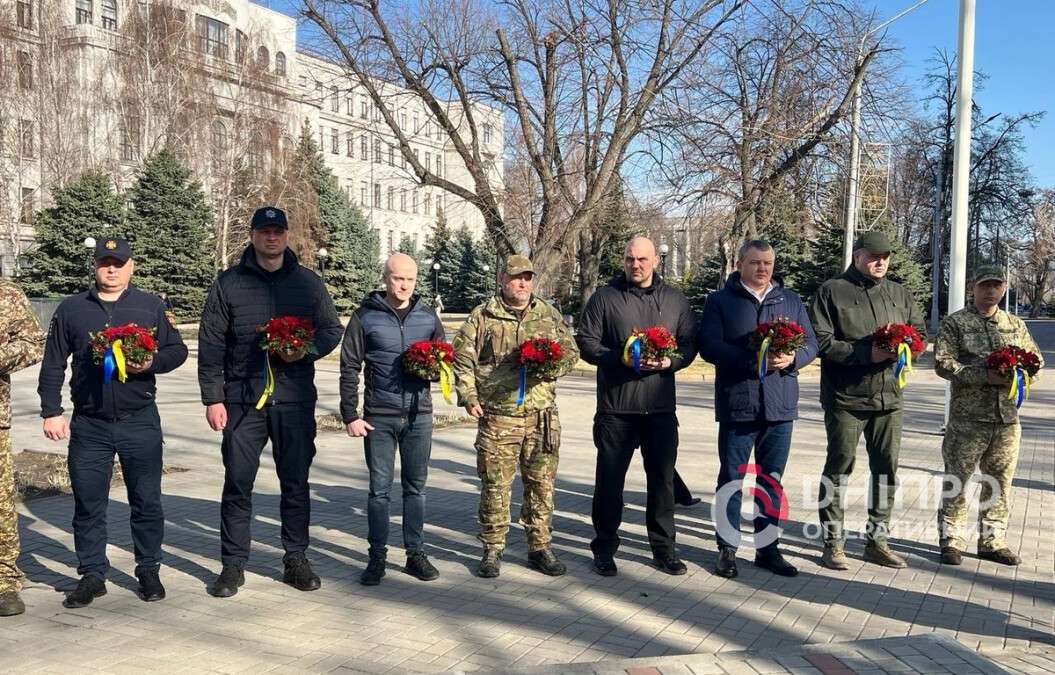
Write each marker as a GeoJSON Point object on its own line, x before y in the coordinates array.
{"type": "Point", "coordinates": [45, 474]}
{"type": "Point", "coordinates": [333, 422]}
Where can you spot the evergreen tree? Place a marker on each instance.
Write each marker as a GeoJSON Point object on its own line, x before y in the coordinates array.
{"type": "Point", "coordinates": [475, 283]}
{"type": "Point", "coordinates": [440, 247]}
{"type": "Point", "coordinates": [171, 222]}
{"type": "Point", "coordinates": [407, 245]}
{"type": "Point", "coordinates": [60, 264]}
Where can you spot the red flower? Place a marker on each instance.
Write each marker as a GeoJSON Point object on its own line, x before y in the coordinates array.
{"type": "Point", "coordinates": [288, 335]}
{"type": "Point", "coordinates": [890, 336]}
{"type": "Point", "coordinates": [542, 358]}
{"type": "Point", "coordinates": [657, 343]}
{"type": "Point", "coordinates": [422, 359]}
{"type": "Point", "coordinates": [785, 336]}
{"type": "Point", "coordinates": [137, 343]}
{"type": "Point", "coordinates": [1006, 359]}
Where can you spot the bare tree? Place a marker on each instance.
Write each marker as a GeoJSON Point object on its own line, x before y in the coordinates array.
{"type": "Point", "coordinates": [1034, 274]}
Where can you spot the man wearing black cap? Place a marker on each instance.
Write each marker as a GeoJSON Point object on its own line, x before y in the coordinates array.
{"type": "Point", "coordinates": [110, 416]}
{"type": "Point", "coordinates": [859, 393]}
{"type": "Point", "coordinates": [233, 374]}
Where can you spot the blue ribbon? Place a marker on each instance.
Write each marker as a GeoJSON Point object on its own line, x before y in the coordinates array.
{"type": "Point", "coordinates": [109, 365]}
{"type": "Point", "coordinates": [763, 359]}
{"type": "Point", "coordinates": [902, 361]}
{"type": "Point", "coordinates": [635, 355]}
{"type": "Point", "coordinates": [523, 387]}
{"type": "Point", "coordinates": [1020, 388]}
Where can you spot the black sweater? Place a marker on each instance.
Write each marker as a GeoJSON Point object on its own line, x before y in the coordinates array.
{"type": "Point", "coordinates": [81, 314]}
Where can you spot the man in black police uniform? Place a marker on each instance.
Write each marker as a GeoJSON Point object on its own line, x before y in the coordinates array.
{"type": "Point", "coordinates": [232, 374]}
{"type": "Point", "coordinates": [110, 418]}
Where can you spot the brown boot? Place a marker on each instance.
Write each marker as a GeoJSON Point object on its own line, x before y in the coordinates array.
{"type": "Point", "coordinates": [834, 557]}
{"type": "Point", "coordinates": [880, 554]}
{"type": "Point", "coordinates": [11, 604]}
{"type": "Point", "coordinates": [950, 555]}
{"type": "Point", "coordinates": [1004, 556]}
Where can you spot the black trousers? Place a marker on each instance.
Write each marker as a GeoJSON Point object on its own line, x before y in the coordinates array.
{"type": "Point", "coordinates": [291, 429]}
{"type": "Point", "coordinates": [616, 438]}
{"type": "Point", "coordinates": [137, 441]}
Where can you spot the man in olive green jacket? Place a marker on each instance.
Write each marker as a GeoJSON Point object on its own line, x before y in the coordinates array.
{"type": "Point", "coordinates": [488, 376]}
{"type": "Point", "coordinates": [859, 393]}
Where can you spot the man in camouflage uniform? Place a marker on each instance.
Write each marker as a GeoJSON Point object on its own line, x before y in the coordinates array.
{"type": "Point", "coordinates": [488, 384]}
{"type": "Point", "coordinates": [983, 430]}
{"type": "Point", "coordinates": [21, 345]}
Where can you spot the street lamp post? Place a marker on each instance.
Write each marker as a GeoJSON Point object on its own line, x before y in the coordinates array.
{"type": "Point", "coordinates": [436, 280]}
{"type": "Point", "coordinates": [487, 273]}
{"type": "Point", "coordinates": [89, 243]}
{"type": "Point", "coordinates": [322, 254]}
{"type": "Point", "coordinates": [663, 251]}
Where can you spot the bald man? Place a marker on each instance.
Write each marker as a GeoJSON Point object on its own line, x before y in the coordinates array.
{"type": "Point", "coordinates": [635, 407]}
{"type": "Point", "coordinates": [397, 410]}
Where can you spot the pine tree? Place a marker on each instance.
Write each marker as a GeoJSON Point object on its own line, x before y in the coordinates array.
{"type": "Point", "coordinates": [474, 283]}
{"type": "Point", "coordinates": [60, 264]}
{"type": "Point", "coordinates": [173, 238]}
{"type": "Point", "coordinates": [440, 247]}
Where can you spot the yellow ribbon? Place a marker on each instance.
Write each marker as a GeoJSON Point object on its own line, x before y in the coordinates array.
{"type": "Point", "coordinates": [628, 358]}
{"type": "Point", "coordinates": [270, 387]}
{"type": "Point", "coordinates": [762, 349]}
{"type": "Point", "coordinates": [119, 360]}
{"type": "Point", "coordinates": [1013, 392]}
{"type": "Point", "coordinates": [903, 350]}
{"type": "Point", "coordinates": [446, 381]}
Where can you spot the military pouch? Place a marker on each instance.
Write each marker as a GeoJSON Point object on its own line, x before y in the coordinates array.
{"type": "Point", "coordinates": [550, 423]}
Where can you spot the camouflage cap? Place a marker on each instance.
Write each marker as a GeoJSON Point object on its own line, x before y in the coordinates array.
{"type": "Point", "coordinates": [989, 273]}
{"type": "Point", "coordinates": [518, 264]}
{"type": "Point", "coordinates": [874, 242]}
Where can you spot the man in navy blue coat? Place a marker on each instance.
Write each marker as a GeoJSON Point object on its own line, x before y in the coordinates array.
{"type": "Point", "coordinates": [753, 412]}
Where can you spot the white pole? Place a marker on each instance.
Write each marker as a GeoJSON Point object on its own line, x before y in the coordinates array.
{"type": "Point", "coordinates": [851, 193]}
{"type": "Point", "coordinates": [961, 163]}
{"type": "Point", "coordinates": [961, 167]}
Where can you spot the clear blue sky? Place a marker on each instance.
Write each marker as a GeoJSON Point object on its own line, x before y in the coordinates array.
{"type": "Point", "coordinates": [1014, 46]}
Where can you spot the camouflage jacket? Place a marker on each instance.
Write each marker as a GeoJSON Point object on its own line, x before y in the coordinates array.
{"type": "Point", "coordinates": [21, 342]}
{"type": "Point", "coordinates": [965, 341]}
{"type": "Point", "coordinates": [485, 358]}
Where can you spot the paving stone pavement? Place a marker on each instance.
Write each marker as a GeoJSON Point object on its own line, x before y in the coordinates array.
{"type": "Point", "coordinates": [523, 619]}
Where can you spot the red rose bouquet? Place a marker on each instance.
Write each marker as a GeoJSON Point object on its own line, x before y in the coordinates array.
{"type": "Point", "coordinates": [904, 341]}
{"type": "Point", "coordinates": [779, 336]}
{"type": "Point", "coordinates": [289, 338]}
{"type": "Point", "coordinates": [649, 344]}
{"type": "Point", "coordinates": [1019, 366]}
{"type": "Point", "coordinates": [541, 358]}
{"type": "Point", "coordinates": [431, 360]}
{"type": "Point", "coordinates": [117, 346]}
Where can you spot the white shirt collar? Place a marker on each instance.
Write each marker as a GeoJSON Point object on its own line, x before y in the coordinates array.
{"type": "Point", "coordinates": [758, 296]}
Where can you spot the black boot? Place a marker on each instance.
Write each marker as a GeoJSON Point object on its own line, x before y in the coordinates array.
{"type": "Point", "coordinates": [774, 562]}
{"type": "Point", "coordinates": [545, 561]}
{"type": "Point", "coordinates": [726, 566]}
{"type": "Point", "coordinates": [605, 565]}
{"type": "Point", "coordinates": [11, 604]}
{"type": "Point", "coordinates": [299, 574]}
{"type": "Point", "coordinates": [150, 588]}
{"type": "Point", "coordinates": [669, 563]}
{"type": "Point", "coordinates": [227, 584]}
{"type": "Point", "coordinates": [88, 588]}
{"type": "Point", "coordinates": [418, 565]}
{"type": "Point", "coordinates": [490, 564]}
{"type": "Point", "coordinates": [375, 569]}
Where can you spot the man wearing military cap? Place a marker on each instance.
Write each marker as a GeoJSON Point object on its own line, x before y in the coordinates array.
{"type": "Point", "coordinates": [983, 430]}
{"type": "Point", "coordinates": [859, 393]}
{"type": "Point", "coordinates": [113, 414]}
{"type": "Point", "coordinates": [517, 424]}
{"type": "Point", "coordinates": [252, 399]}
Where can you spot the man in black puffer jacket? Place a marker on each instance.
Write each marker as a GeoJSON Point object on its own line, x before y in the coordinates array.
{"type": "Point", "coordinates": [397, 410]}
{"type": "Point", "coordinates": [110, 417]}
{"type": "Point", "coordinates": [635, 409]}
{"type": "Point", "coordinates": [233, 375]}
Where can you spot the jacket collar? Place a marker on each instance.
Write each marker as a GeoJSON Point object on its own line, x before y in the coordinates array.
{"type": "Point", "coordinates": [733, 285]}
{"type": "Point", "coordinates": [497, 308]}
{"type": "Point", "coordinates": [856, 278]}
{"type": "Point", "coordinates": [289, 262]}
{"type": "Point", "coordinates": [620, 282]}
{"type": "Point", "coordinates": [376, 300]}
{"type": "Point", "coordinates": [93, 293]}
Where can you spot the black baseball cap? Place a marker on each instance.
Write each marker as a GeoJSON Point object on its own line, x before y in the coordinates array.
{"type": "Point", "coordinates": [112, 247]}
{"type": "Point", "coordinates": [874, 242]}
{"type": "Point", "coordinates": [269, 216]}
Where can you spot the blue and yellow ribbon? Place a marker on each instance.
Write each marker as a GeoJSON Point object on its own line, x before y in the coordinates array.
{"type": "Point", "coordinates": [1020, 383]}
{"type": "Point", "coordinates": [446, 381]}
{"type": "Point", "coordinates": [522, 391]}
{"type": "Point", "coordinates": [903, 367]}
{"type": "Point", "coordinates": [763, 357]}
{"type": "Point", "coordinates": [632, 352]}
{"type": "Point", "coordinates": [269, 388]}
{"type": "Point", "coordinates": [114, 360]}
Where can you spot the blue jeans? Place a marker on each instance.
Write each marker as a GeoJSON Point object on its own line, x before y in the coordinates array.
{"type": "Point", "coordinates": [771, 442]}
{"type": "Point", "coordinates": [413, 438]}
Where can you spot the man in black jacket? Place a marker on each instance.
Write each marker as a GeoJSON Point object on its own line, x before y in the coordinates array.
{"type": "Point", "coordinates": [233, 374]}
{"type": "Point", "coordinates": [397, 410]}
{"type": "Point", "coordinates": [635, 410]}
{"type": "Point", "coordinates": [110, 417]}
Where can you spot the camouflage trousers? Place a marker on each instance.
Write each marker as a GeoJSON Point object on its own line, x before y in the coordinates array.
{"type": "Point", "coordinates": [992, 448]}
{"type": "Point", "coordinates": [502, 442]}
{"type": "Point", "coordinates": [10, 576]}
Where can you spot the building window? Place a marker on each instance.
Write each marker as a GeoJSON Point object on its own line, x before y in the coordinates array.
{"type": "Point", "coordinates": [219, 145]}
{"type": "Point", "coordinates": [254, 159]}
{"type": "Point", "coordinates": [349, 106]}
{"type": "Point", "coordinates": [25, 71]}
{"type": "Point", "coordinates": [439, 166]}
{"type": "Point", "coordinates": [349, 145]}
{"type": "Point", "coordinates": [390, 203]}
{"type": "Point", "coordinates": [377, 195]}
{"type": "Point", "coordinates": [26, 206]}
{"type": "Point", "coordinates": [280, 64]}
{"type": "Point", "coordinates": [391, 238]}
{"type": "Point", "coordinates": [212, 36]}
{"type": "Point", "coordinates": [25, 14]}
{"type": "Point", "coordinates": [428, 162]}
{"type": "Point", "coordinates": [240, 41]}
{"type": "Point", "coordinates": [109, 9]}
{"type": "Point", "coordinates": [362, 193]}
{"type": "Point", "coordinates": [364, 152]}
{"type": "Point", "coordinates": [391, 155]}
{"type": "Point", "coordinates": [263, 58]}
{"type": "Point", "coordinates": [335, 100]}
{"type": "Point", "coordinates": [428, 128]}
{"type": "Point", "coordinates": [377, 150]}
{"type": "Point", "coordinates": [130, 140]}
{"type": "Point", "coordinates": [403, 120]}
{"type": "Point", "coordinates": [403, 200]}
{"type": "Point", "coordinates": [335, 142]}
{"type": "Point", "coordinates": [25, 138]}
{"type": "Point", "coordinates": [415, 123]}
{"type": "Point", "coordinates": [428, 203]}
{"type": "Point", "coordinates": [377, 113]}
{"type": "Point", "coordinates": [363, 109]}
{"type": "Point", "coordinates": [84, 11]}
{"type": "Point", "coordinates": [487, 134]}
{"type": "Point", "coordinates": [414, 202]}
